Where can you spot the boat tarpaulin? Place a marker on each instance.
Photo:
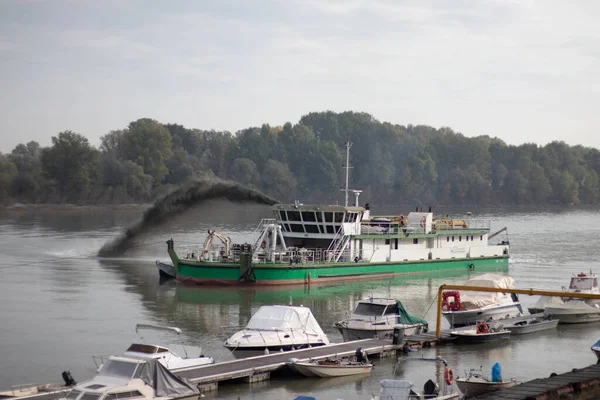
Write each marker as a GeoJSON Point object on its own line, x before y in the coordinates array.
{"type": "Point", "coordinates": [482, 299]}
{"type": "Point", "coordinates": [164, 382]}
{"type": "Point", "coordinates": [284, 318]}
{"type": "Point", "coordinates": [405, 318]}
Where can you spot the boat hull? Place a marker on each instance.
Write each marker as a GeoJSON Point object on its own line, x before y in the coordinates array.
{"type": "Point", "coordinates": [211, 273]}
{"type": "Point", "coordinates": [166, 270]}
{"type": "Point", "coordinates": [467, 337]}
{"type": "Point", "coordinates": [471, 317]}
{"type": "Point", "coordinates": [516, 329]}
{"type": "Point", "coordinates": [472, 388]}
{"type": "Point", "coordinates": [330, 371]}
{"type": "Point", "coordinates": [349, 333]}
{"type": "Point", "coordinates": [255, 351]}
{"type": "Point", "coordinates": [567, 315]}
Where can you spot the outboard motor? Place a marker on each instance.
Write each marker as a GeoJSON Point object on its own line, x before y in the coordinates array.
{"type": "Point", "coordinates": [430, 389]}
{"type": "Point", "coordinates": [361, 355]}
{"type": "Point", "coordinates": [69, 381]}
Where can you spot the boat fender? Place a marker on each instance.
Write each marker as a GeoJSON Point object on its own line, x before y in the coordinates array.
{"type": "Point", "coordinates": [448, 376]}
{"type": "Point", "coordinates": [482, 327]}
{"type": "Point", "coordinates": [263, 244]}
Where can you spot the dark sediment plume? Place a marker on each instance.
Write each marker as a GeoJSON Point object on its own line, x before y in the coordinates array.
{"type": "Point", "coordinates": [179, 201]}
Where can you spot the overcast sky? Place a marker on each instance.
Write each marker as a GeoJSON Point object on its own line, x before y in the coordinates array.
{"type": "Point", "coordinates": [524, 71]}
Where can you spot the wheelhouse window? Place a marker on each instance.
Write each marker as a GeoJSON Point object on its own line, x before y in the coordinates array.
{"type": "Point", "coordinates": [328, 217]}
{"type": "Point", "coordinates": [391, 310]}
{"type": "Point", "coordinates": [339, 217]}
{"type": "Point", "coordinates": [311, 228]}
{"type": "Point", "coordinates": [447, 238]}
{"type": "Point", "coordinates": [297, 228]}
{"type": "Point", "coordinates": [415, 241]}
{"type": "Point", "coordinates": [294, 215]}
{"type": "Point", "coordinates": [282, 215]}
{"type": "Point", "coordinates": [330, 229]}
{"type": "Point", "coordinates": [319, 216]}
{"type": "Point", "coordinates": [369, 309]}
{"type": "Point", "coordinates": [308, 216]}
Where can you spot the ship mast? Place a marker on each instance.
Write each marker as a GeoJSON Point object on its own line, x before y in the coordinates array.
{"type": "Point", "coordinates": [347, 167]}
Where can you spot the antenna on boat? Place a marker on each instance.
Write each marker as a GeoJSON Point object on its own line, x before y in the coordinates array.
{"type": "Point", "coordinates": [347, 167]}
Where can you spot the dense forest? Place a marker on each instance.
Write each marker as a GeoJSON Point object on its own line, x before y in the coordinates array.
{"type": "Point", "coordinates": [392, 164]}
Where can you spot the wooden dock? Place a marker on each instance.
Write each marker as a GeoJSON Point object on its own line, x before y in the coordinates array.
{"type": "Point", "coordinates": [256, 369]}
{"type": "Point", "coordinates": [581, 384]}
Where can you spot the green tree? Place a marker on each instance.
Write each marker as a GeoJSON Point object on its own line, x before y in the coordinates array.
{"type": "Point", "coordinates": [147, 143]}
{"type": "Point", "coordinates": [73, 165]}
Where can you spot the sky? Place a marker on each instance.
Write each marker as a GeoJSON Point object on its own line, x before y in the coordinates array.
{"type": "Point", "coordinates": [522, 71]}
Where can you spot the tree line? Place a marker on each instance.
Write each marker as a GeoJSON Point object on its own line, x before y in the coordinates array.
{"type": "Point", "coordinates": [391, 164]}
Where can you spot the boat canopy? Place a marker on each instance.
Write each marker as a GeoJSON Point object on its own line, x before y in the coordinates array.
{"type": "Point", "coordinates": [405, 318]}
{"type": "Point", "coordinates": [164, 382]}
{"type": "Point", "coordinates": [482, 299]}
{"type": "Point", "coordinates": [285, 318]}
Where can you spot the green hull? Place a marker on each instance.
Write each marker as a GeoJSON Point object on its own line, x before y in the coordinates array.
{"type": "Point", "coordinates": [281, 274]}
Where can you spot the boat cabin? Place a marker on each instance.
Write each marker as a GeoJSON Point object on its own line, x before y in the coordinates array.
{"type": "Point", "coordinates": [583, 282]}
{"type": "Point", "coordinates": [376, 307]}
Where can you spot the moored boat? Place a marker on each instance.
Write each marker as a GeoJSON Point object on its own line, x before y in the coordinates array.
{"type": "Point", "coordinates": [334, 367]}
{"type": "Point", "coordinates": [573, 310]}
{"type": "Point", "coordinates": [531, 324]}
{"type": "Point", "coordinates": [483, 332]}
{"type": "Point", "coordinates": [166, 270]}
{"type": "Point", "coordinates": [325, 243]}
{"type": "Point", "coordinates": [476, 384]}
{"type": "Point", "coordinates": [277, 328]}
{"type": "Point", "coordinates": [468, 308]}
{"type": "Point", "coordinates": [377, 318]}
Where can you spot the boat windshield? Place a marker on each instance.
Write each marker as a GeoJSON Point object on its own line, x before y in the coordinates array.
{"type": "Point", "coordinates": [369, 309]}
{"type": "Point", "coordinates": [117, 368]}
{"type": "Point", "coordinates": [584, 283]}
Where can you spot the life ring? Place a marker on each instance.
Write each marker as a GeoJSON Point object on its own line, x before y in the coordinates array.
{"type": "Point", "coordinates": [482, 327]}
{"type": "Point", "coordinates": [448, 376]}
{"type": "Point", "coordinates": [263, 244]}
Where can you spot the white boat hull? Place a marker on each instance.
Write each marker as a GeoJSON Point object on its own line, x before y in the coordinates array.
{"type": "Point", "coordinates": [530, 325]}
{"type": "Point", "coordinates": [473, 388]}
{"type": "Point", "coordinates": [330, 371]}
{"type": "Point", "coordinates": [574, 316]}
{"type": "Point", "coordinates": [355, 332]}
{"type": "Point", "coordinates": [471, 317]}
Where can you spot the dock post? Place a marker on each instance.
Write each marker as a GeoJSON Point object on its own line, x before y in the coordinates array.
{"type": "Point", "coordinates": [438, 324]}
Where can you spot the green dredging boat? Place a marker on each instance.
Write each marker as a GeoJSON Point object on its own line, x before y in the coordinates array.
{"type": "Point", "coordinates": [306, 244]}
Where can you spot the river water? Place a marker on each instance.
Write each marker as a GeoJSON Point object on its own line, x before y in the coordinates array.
{"type": "Point", "coordinates": [60, 304]}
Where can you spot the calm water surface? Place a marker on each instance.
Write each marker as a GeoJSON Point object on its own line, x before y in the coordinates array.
{"type": "Point", "coordinates": [59, 304]}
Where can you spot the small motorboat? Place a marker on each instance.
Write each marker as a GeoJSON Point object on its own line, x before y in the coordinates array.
{"type": "Point", "coordinates": [469, 307]}
{"type": "Point", "coordinates": [377, 318]}
{"type": "Point", "coordinates": [277, 328]}
{"type": "Point", "coordinates": [166, 270]}
{"type": "Point", "coordinates": [334, 367]}
{"type": "Point", "coordinates": [483, 332]}
{"type": "Point", "coordinates": [531, 324]}
{"type": "Point", "coordinates": [392, 389]}
{"type": "Point", "coordinates": [476, 384]}
{"type": "Point", "coordinates": [49, 390]}
{"type": "Point", "coordinates": [166, 356]}
{"type": "Point", "coordinates": [577, 311]}
{"type": "Point", "coordinates": [123, 377]}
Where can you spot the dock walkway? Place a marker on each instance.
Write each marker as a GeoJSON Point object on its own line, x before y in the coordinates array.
{"type": "Point", "coordinates": [583, 383]}
{"type": "Point", "coordinates": [259, 367]}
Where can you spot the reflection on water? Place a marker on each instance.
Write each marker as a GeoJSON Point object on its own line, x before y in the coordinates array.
{"type": "Point", "coordinates": [61, 313]}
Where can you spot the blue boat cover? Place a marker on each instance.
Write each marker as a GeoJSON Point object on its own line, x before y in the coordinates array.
{"type": "Point", "coordinates": [305, 398]}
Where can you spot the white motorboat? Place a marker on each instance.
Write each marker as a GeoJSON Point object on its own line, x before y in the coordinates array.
{"type": "Point", "coordinates": [577, 311]}
{"type": "Point", "coordinates": [334, 367]}
{"type": "Point", "coordinates": [531, 324]}
{"type": "Point", "coordinates": [482, 332]}
{"type": "Point", "coordinates": [469, 308]}
{"type": "Point", "coordinates": [399, 389]}
{"type": "Point", "coordinates": [476, 384]}
{"type": "Point", "coordinates": [277, 328]}
{"type": "Point", "coordinates": [123, 377]}
{"type": "Point", "coordinates": [165, 355]}
{"type": "Point", "coordinates": [377, 318]}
